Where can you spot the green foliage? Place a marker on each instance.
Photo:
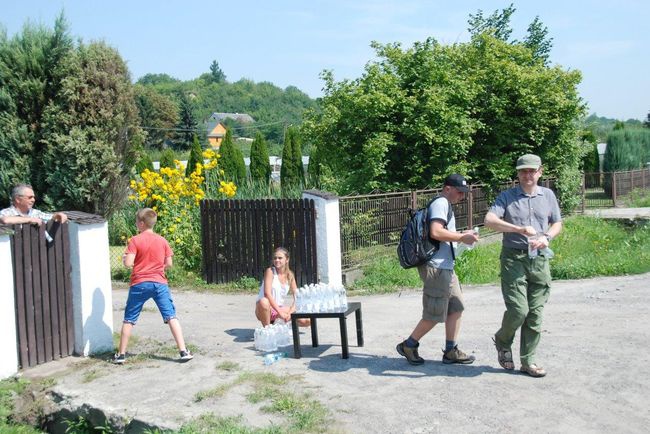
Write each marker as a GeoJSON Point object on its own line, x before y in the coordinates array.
{"type": "Point", "coordinates": [260, 168]}
{"type": "Point", "coordinates": [418, 114]}
{"type": "Point", "coordinates": [196, 156]}
{"type": "Point", "coordinates": [497, 24]}
{"type": "Point", "coordinates": [627, 149]}
{"type": "Point", "coordinates": [167, 159]}
{"type": "Point", "coordinates": [232, 160]}
{"type": "Point", "coordinates": [591, 160]}
{"type": "Point", "coordinates": [144, 163]}
{"type": "Point", "coordinates": [158, 115]}
{"type": "Point", "coordinates": [602, 126]}
{"type": "Point", "coordinates": [187, 124]}
{"type": "Point", "coordinates": [216, 74]}
{"type": "Point", "coordinates": [68, 118]}
{"type": "Point", "coordinates": [291, 172]}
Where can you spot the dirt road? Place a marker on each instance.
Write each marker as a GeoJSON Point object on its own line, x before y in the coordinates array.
{"type": "Point", "coordinates": [594, 346]}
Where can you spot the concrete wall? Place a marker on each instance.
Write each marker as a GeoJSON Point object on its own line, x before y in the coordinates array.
{"type": "Point", "coordinates": [328, 236]}
{"type": "Point", "coordinates": [8, 337]}
{"type": "Point", "coordinates": [92, 299]}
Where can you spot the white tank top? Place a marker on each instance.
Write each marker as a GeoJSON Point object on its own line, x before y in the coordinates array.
{"type": "Point", "coordinates": [278, 290]}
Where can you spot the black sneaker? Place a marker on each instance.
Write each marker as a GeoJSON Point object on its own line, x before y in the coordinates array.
{"type": "Point", "coordinates": [410, 353]}
{"type": "Point", "coordinates": [186, 355]}
{"type": "Point", "coordinates": [119, 359]}
{"type": "Point", "coordinates": [457, 356]}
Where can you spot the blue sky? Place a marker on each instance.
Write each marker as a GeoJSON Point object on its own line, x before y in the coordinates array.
{"type": "Point", "coordinates": [291, 42]}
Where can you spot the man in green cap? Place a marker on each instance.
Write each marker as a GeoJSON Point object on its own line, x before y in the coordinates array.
{"type": "Point", "coordinates": [529, 217]}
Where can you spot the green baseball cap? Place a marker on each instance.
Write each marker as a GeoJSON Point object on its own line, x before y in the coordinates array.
{"type": "Point", "coordinates": [529, 161]}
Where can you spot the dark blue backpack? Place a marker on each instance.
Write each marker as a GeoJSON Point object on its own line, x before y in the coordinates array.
{"type": "Point", "coordinates": [415, 246]}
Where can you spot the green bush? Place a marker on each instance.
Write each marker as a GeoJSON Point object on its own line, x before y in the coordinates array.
{"type": "Point", "coordinates": [167, 159]}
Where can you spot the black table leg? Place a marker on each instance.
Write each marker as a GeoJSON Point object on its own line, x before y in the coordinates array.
{"type": "Point", "coordinates": [296, 338]}
{"type": "Point", "coordinates": [314, 333]}
{"type": "Point", "coordinates": [357, 315]}
{"type": "Point", "coordinates": [344, 335]}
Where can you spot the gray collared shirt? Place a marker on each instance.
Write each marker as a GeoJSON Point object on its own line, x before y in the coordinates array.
{"type": "Point", "coordinates": [539, 210]}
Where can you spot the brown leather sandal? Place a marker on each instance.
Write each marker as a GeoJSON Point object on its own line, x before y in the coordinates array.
{"type": "Point", "coordinates": [505, 357]}
{"type": "Point", "coordinates": [533, 370]}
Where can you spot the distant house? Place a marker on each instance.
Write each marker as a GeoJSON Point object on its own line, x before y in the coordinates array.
{"type": "Point", "coordinates": [217, 131]}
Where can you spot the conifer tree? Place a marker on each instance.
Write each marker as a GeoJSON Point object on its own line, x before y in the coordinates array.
{"type": "Point", "coordinates": [232, 159]}
{"type": "Point", "coordinates": [260, 168]}
{"type": "Point", "coordinates": [196, 156]}
{"type": "Point", "coordinates": [167, 159]}
{"type": "Point", "coordinates": [144, 163]}
{"type": "Point", "coordinates": [288, 173]}
{"type": "Point", "coordinates": [296, 149]}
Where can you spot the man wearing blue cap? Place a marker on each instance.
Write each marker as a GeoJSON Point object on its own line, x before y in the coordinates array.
{"type": "Point", "coordinates": [529, 217]}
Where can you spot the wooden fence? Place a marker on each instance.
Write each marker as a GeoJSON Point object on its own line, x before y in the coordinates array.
{"type": "Point", "coordinates": [43, 293]}
{"type": "Point", "coordinates": [239, 236]}
{"type": "Point", "coordinates": [378, 219]}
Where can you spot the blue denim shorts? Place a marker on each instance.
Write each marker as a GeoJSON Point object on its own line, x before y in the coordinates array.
{"type": "Point", "coordinates": [143, 291]}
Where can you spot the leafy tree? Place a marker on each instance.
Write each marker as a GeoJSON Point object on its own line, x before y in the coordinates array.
{"type": "Point", "coordinates": [196, 156]}
{"type": "Point", "coordinates": [416, 115]}
{"type": "Point", "coordinates": [646, 123]}
{"type": "Point", "coordinates": [537, 40]}
{"type": "Point", "coordinates": [95, 110]}
{"type": "Point", "coordinates": [156, 79]}
{"type": "Point", "coordinates": [187, 124]}
{"type": "Point", "coordinates": [260, 168]}
{"type": "Point", "coordinates": [167, 159]}
{"type": "Point", "coordinates": [497, 24]}
{"type": "Point", "coordinates": [144, 163]}
{"type": "Point", "coordinates": [158, 115]}
{"type": "Point", "coordinates": [232, 160]}
{"type": "Point", "coordinates": [619, 125]}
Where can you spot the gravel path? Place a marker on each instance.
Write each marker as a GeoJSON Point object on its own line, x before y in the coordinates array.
{"type": "Point", "coordinates": [594, 346]}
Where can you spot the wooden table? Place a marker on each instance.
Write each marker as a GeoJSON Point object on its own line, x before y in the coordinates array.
{"type": "Point", "coordinates": [341, 315]}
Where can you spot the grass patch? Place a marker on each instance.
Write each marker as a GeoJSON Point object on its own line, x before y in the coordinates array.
{"type": "Point", "coordinates": [638, 198]}
{"type": "Point", "coordinates": [21, 404]}
{"type": "Point", "coordinates": [228, 366]}
{"type": "Point", "coordinates": [305, 414]}
{"type": "Point", "coordinates": [587, 247]}
{"type": "Point", "coordinates": [209, 423]}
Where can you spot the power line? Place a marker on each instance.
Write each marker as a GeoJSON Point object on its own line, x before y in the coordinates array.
{"type": "Point", "coordinates": [256, 126]}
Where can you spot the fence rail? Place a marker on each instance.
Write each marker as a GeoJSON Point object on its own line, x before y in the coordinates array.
{"type": "Point", "coordinates": [239, 236]}
{"type": "Point", "coordinates": [378, 219]}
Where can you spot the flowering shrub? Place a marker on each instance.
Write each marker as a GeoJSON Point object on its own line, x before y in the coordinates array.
{"type": "Point", "coordinates": [176, 198]}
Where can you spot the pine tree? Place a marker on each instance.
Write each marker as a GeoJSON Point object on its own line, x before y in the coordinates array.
{"type": "Point", "coordinates": [196, 156]}
{"type": "Point", "coordinates": [260, 168]}
{"type": "Point", "coordinates": [288, 174]}
{"type": "Point", "coordinates": [232, 159]}
{"type": "Point", "coordinates": [296, 156]}
{"type": "Point", "coordinates": [187, 123]}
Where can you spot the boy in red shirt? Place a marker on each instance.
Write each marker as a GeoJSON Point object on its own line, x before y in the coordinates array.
{"type": "Point", "coordinates": [149, 255]}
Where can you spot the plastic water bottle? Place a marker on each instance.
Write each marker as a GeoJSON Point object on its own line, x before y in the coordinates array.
{"type": "Point", "coordinates": [271, 358]}
{"type": "Point", "coordinates": [532, 253]}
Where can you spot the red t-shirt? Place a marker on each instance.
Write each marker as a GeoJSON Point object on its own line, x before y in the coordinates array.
{"type": "Point", "coordinates": [150, 250]}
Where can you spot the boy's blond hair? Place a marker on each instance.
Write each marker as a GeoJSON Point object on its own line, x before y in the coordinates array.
{"type": "Point", "coordinates": [147, 216]}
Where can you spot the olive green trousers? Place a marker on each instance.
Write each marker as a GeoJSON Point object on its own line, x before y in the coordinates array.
{"type": "Point", "coordinates": [526, 286]}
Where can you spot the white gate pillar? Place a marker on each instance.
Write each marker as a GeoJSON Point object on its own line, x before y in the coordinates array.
{"type": "Point", "coordinates": [92, 298]}
{"type": "Point", "coordinates": [8, 337]}
{"type": "Point", "coordinates": [328, 236]}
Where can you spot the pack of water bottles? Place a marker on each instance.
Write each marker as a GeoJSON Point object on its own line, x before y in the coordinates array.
{"type": "Point", "coordinates": [320, 298]}
{"type": "Point", "coordinates": [272, 336]}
